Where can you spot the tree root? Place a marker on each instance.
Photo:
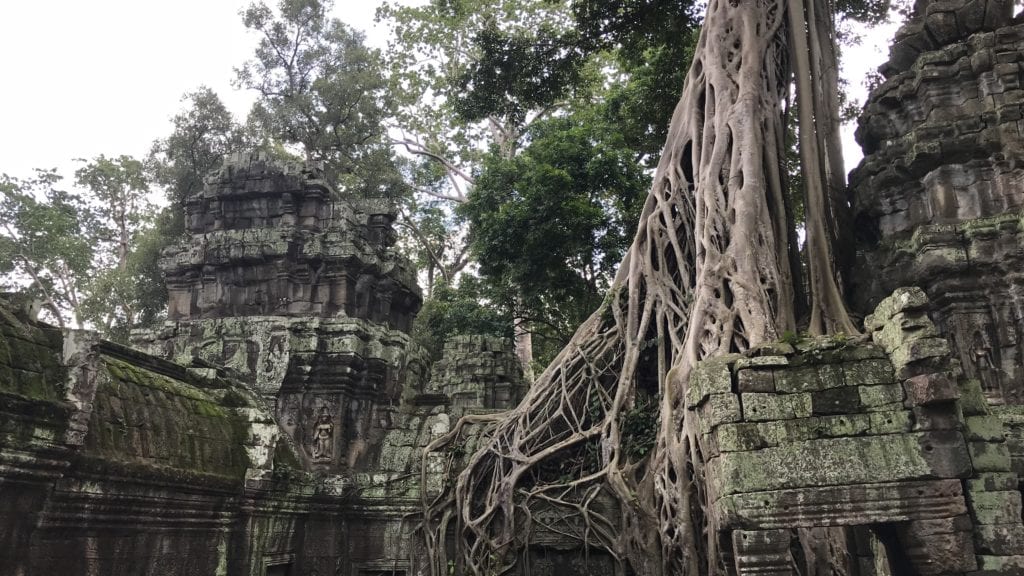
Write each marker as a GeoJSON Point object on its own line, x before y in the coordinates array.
{"type": "Point", "coordinates": [708, 273]}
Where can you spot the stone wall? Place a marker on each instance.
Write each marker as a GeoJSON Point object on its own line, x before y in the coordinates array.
{"type": "Point", "coordinates": [479, 373]}
{"type": "Point", "coordinates": [879, 442]}
{"type": "Point", "coordinates": [114, 462]}
{"type": "Point", "coordinates": [938, 196]}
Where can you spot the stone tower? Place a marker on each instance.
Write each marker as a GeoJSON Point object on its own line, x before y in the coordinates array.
{"type": "Point", "coordinates": [287, 286]}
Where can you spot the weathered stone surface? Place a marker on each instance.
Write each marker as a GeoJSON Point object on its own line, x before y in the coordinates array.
{"type": "Point", "coordinates": [989, 456]}
{"type": "Point", "coordinates": [271, 239]}
{"type": "Point", "coordinates": [843, 505]}
{"type": "Point", "coordinates": [995, 507]}
{"type": "Point", "coordinates": [712, 377]}
{"type": "Point", "coordinates": [762, 552]}
{"type": "Point", "coordinates": [755, 380]}
{"type": "Point", "coordinates": [719, 409]}
{"type": "Point", "coordinates": [999, 539]}
{"type": "Point", "coordinates": [760, 407]}
{"type": "Point", "coordinates": [984, 428]}
{"type": "Point", "coordinates": [906, 299]}
{"type": "Point", "coordinates": [840, 461]}
{"type": "Point", "coordinates": [928, 389]}
{"type": "Point", "coordinates": [479, 372]}
{"type": "Point", "coordinates": [999, 565]}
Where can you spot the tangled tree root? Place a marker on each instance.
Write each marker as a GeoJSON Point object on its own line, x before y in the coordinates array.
{"type": "Point", "coordinates": [709, 272]}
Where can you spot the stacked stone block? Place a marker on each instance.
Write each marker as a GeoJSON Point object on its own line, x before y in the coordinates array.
{"type": "Point", "coordinates": [936, 23]}
{"type": "Point", "coordinates": [113, 461]}
{"type": "Point", "coordinates": [882, 438]}
{"type": "Point", "coordinates": [275, 239]}
{"type": "Point", "coordinates": [938, 196]}
{"type": "Point", "coordinates": [479, 373]}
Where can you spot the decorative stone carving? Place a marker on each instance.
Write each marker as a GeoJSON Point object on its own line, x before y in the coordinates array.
{"type": "Point", "coordinates": [273, 239]}
{"type": "Point", "coordinates": [323, 437]}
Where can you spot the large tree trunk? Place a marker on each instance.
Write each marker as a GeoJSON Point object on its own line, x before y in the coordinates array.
{"type": "Point", "coordinates": [709, 272]}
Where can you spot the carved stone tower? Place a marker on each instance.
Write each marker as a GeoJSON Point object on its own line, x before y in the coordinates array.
{"type": "Point", "coordinates": [287, 286]}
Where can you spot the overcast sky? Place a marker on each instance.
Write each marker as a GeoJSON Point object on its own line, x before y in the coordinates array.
{"type": "Point", "coordinates": [83, 78]}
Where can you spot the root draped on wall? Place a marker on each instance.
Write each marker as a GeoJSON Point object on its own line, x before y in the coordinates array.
{"type": "Point", "coordinates": [712, 270]}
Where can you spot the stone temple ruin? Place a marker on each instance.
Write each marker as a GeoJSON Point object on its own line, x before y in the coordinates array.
{"type": "Point", "coordinates": [275, 424]}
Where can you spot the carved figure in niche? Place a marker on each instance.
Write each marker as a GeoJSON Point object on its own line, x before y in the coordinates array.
{"type": "Point", "coordinates": [981, 356]}
{"type": "Point", "coordinates": [323, 436]}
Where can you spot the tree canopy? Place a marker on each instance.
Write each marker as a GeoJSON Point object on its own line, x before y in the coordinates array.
{"type": "Point", "coordinates": [323, 90]}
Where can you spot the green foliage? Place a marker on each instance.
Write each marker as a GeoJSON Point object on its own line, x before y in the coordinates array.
{"type": "Point", "coordinates": [44, 241]}
{"type": "Point", "coordinates": [462, 309]}
{"type": "Point", "coordinates": [549, 226]}
{"type": "Point", "coordinates": [639, 427]}
{"type": "Point", "coordinates": [323, 90]}
{"type": "Point", "coordinates": [118, 189]}
{"type": "Point", "coordinates": [121, 213]}
{"type": "Point", "coordinates": [653, 42]}
{"type": "Point", "coordinates": [519, 72]}
{"type": "Point", "coordinates": [204, 133]}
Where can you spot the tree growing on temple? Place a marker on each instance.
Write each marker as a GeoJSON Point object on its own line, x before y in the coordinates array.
{"type": "Point", "coordinates": [321, 91]}
{"type": "Point", "coordinates": [711, 270]}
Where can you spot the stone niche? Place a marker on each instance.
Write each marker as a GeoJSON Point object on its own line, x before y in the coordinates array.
{"type": "Point", "coordinates": [880, 448]}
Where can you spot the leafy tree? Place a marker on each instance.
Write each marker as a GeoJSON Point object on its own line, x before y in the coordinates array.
{"type": "Point", "coordinates": [443, 118]}
{"type": "Point", "coordinates": [323, 90]}
{"type": "Point", "coordinates": [44, 240]}
{"type": "Point", "coordinates": [204, 133]}
{"type": "Point", "coordinates": [121, 212]}
{"type": "Point", "coordinates": [549, 226]}
{"type": "Point", "coordinates": [77, 250]}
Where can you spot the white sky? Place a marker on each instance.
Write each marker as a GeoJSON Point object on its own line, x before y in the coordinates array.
{"type": "Point", "coordinates": [83, 78]}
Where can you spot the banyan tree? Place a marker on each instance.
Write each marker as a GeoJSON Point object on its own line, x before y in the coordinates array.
{"type": "Point", "coordinates": [714, 268]}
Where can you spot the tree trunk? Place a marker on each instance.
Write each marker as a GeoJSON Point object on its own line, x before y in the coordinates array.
{"type": "Point", "coordinates": [709, 272]}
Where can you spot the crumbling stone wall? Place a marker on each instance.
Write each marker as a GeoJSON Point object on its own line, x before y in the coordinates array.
{"type": "Point", "coordinates": [861, 442]}
{"type": "Point", "coordinates": [938, 196]}
{"type": "Point", "coordinates": [116, 462]}
{"type": "Point", "coordinates": [479, 373]}
{"type": "Point", "coordinates": [274, 239]}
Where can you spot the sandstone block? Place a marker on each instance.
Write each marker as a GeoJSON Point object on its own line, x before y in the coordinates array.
{"type": "Point", "coordinates": [719, 409]}
{"type": "Point", "coordinates": [882, 395]}
{"type": "Point", "coordinates": [760, 407]}
{"type": "Point", "coordinates": [999, 539]}
{"type": "Point", "coordinates": [992, 482]}
{"type": "Point", "coordinates": [836, 401]}
{"type": "Point", "coordinates": [901, 300]}
{"type": "Point", "coordinates": [989, 456]}
{"type": "Point", "coordinates": [995, 507]}
{"type": "Point", "coordinates": [761, 362]}
{"type": "Point", "coordinates": [835, 461]}
{"type": "Point", "coordinates": [709, 377]}
{"type": "Point", "coordinates": [928, 389]}
{"type": "Point", "coordinates": [845, 505]}
{"type": "Point", "coordinates": [755, 380]}
{"type": "Point", "coordinates": [972, 399]}
{"type": "Point", "coordinates": [985, 428]}
{"type": "Point", "coordinates": [868, 372]}
{"type": "Point", "coordinates": [1000, 565]}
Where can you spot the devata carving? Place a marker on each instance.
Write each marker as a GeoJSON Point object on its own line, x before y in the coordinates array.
{"type": "Point", "coordinates": [323, 437]}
